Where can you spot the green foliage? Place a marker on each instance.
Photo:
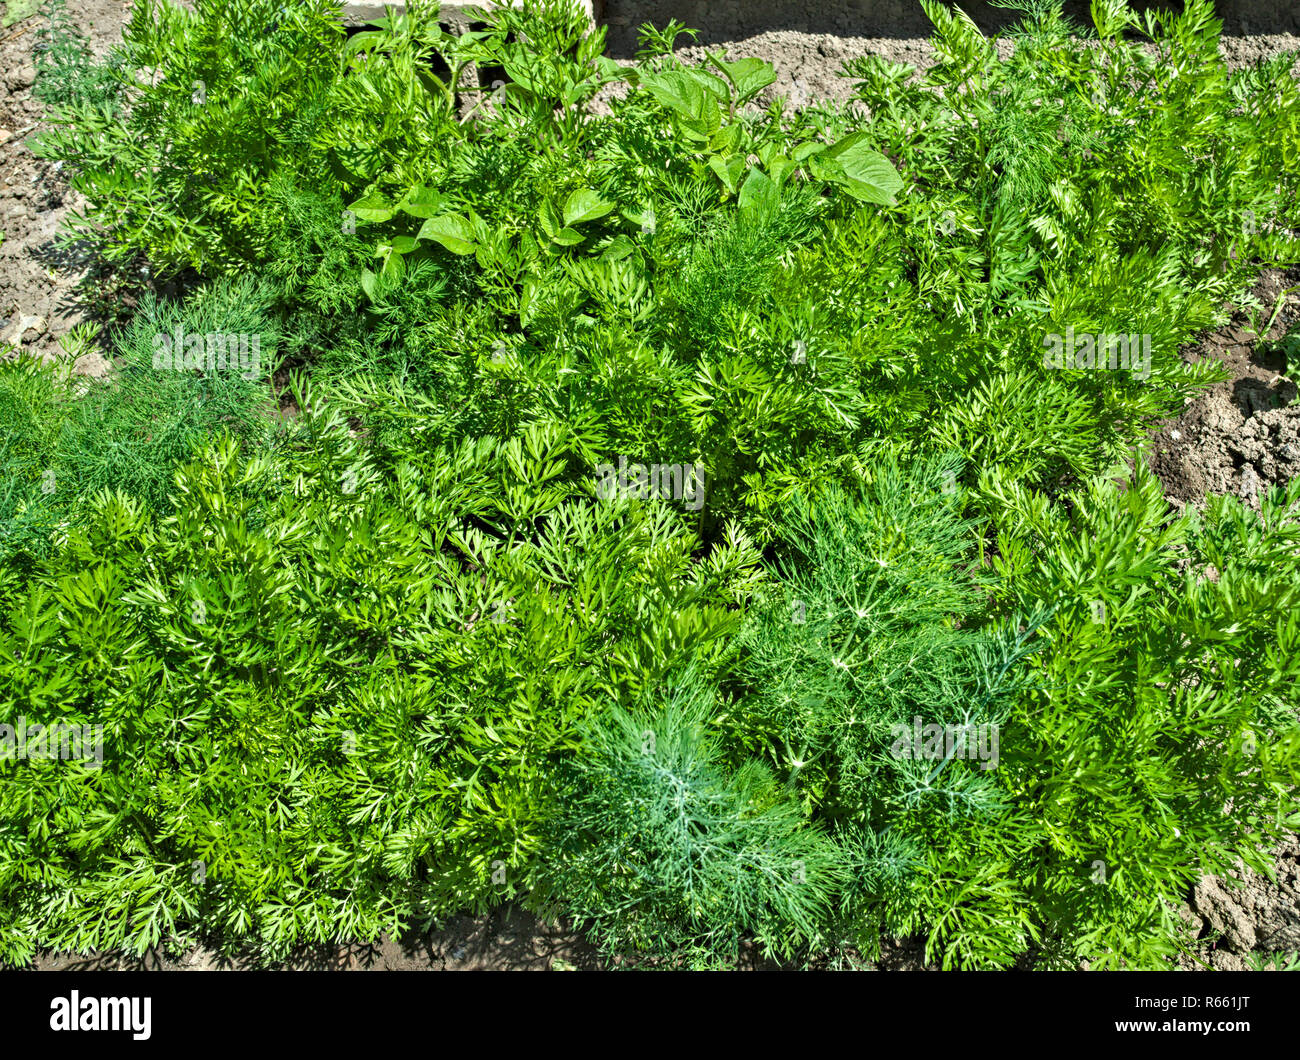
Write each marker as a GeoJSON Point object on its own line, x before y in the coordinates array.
{"type": "Point", "coordinates": [61, 442]}
{"type": "Point", "coordinates": [1161, 740]}
{"type": "Point", "coordinates": [858, 634]}
{"type": "Point", "coordinates": [1082, 183]}
{"type": "Point", "coordinates": [31, 412]}
{"type": "Point", "coordinates": [393, 659]}
{"type": "Point", "coordinates": [211, 103]}
{"type": "Point", "coordinates": [668, 855]}
{"type": "Point", "coordinates": [341, 690]}
{"type": "Point", "coordinates": [67, 73]}
{"type": "Point", "coordinates": [869, 637]}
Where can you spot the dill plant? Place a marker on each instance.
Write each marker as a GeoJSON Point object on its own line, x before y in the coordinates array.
{"type": "Point", "coordinates": [664, 854]}
{"type": "Point", "coordinates": [63, 441]}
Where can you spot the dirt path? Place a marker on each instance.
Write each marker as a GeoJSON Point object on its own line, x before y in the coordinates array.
{"type": "Point", "coordinates": [39, 299]}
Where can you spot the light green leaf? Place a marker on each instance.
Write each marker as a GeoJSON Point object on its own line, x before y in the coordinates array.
{"type": "Point", "coordinates": [865, 174]}
{"type": "Point", "coordinates": [711, 83]}
{"type": "Point", "coordinates": [585, 205]}
{"type": "Point", "coordinates": [673, 89]}
{"type": "Point", "coordinates": [726, 141]}
{"type": "Point", "coordinates": [567, 237]}
{"type": "Point", "coordinates": [451, 230]}
{"type": "Point", "coordinates": [421, 202]}
{"type": "Point", "coordinates": [369, 283]}
{"type": "Point", "coordinates": [693, 96]}
{"type": "Point", "coordinates": [781, 168]}
{"type": "Point", "coordinates": [748, 76]}
{"type": "Point", "coordinates": [728, 172]}
{"type": "Point", "coordinates": [549, 218]}
{"type": "Point", "coordinates": [373, 208]}
{"type": "Point", "coordinates": [619, 248]}
{"type": "Point", "coordinates": [394, 266]}
{"type": "Point", "coordinates": [758, 195]}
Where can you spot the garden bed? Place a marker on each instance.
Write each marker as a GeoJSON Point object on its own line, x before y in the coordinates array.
{"type": "Point", "coordinates": [1236, 436]}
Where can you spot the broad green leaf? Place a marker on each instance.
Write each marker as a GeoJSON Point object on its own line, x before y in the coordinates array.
{"type": "Point", "coordinates": [711, 83]}
{"type": "Point", "coordinates": [748, 76]}
{"type": "Point", "coordinates": [549, 218]}
{"type": "Point", "coordinates": [847, 144]}
{"type": "Point", "coordinates": [518, 75]}
{"type": "Point", "coordinates": [781, 168]}
{"type": "Point", "coordinates": [609, 69]}
{"type": "Point", "coordinates": [643, 217]}
{"type": "Point", "coordinates": [693, 96]}
{"type": "Point", "coordinates": [403, 244]}
{"type": "Point", "coordinates": [369, 283]}
{"type": "Point", "coordinates": [432, 85]}
{"type": "Point", "coordinates": [394, 266]}
{"type": "Point", "coordinates": [346, 175]}
{"type": "Point", "coordinates": [728, 172]}
{"type": "Point", "coordinates": [707, 124]}
{"type": "Point", "coordinates": [619, 248]}
{"type": "Point", "coordinates": [421, 202]}
{"type": "Point", "coordinates": [364, 41]}
{"type": "Point", "coordinates": [865, 174]}
{"type": "Point", "coordinates": [373, 208]}
{"type": "Point", "coordinates": [451, 230]}
{"type": "Point", "coordinates": [585, 205]}
{"type": "Point", "coordinates": [673, 89]}
{"type": "Point", "coordinates": [568, 237]}
{"type": "Point", "coordinates": [758, 195]}
{"type": "Point", "coordinates": [726, 141]}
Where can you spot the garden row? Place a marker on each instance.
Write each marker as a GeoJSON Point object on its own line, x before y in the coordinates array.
{"type": "Point", "coordinates": [602, 490]}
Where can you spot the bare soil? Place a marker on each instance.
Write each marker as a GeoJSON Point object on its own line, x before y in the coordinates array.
{"type": "Point", "coordinates": [1242, 435]}
{"type": "Point", "coordinates": [507, 939]}
{"type": "Point", "coordinates": [39, 282]}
